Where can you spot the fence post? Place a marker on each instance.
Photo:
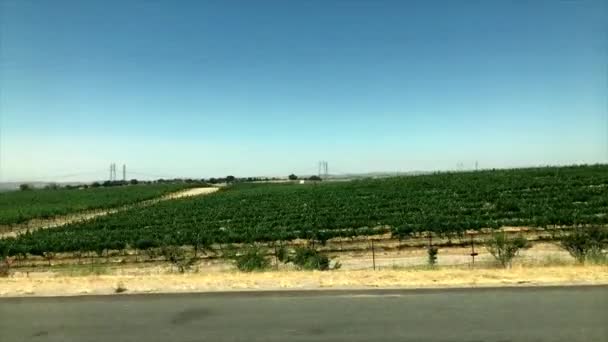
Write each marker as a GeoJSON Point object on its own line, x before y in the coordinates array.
{"type": "Point", "coordinates": [473, 253]}
{"type": "Point", "coordinates": [373, 255]}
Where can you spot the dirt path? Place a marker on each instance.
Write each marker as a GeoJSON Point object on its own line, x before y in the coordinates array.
{"type": "Point", "coordinates": [59, 221]}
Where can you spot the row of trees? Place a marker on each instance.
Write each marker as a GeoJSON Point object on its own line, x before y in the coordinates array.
{"type": "Point", "coordinates": [212, 180]}
{"type": "Point", "coordinates": [585, 245]}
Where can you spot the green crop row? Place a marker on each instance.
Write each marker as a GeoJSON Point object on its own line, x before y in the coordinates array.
{"type": "Point", "coordinates": [445, 203]}
{"type": "Point", "coordinates": [20, 206]}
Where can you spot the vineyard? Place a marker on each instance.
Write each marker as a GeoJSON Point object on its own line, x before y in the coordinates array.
{"type": "Point", "coordinates": [444, 203]}
{"type": "Point", "coordinates": [20, 206]}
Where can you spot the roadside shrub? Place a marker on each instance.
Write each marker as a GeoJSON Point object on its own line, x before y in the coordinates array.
{"type": "Point", "coordinates": [5, 269]}
{"type": "Point", "coordinates": [504, 249]}
{"type": "Point", "coordinates": [586, 244]}
{"type": "Point", "coordinates": [177, 257]}
{"type": "Point", "coordinates": [282, 254]}
{"type": "Point", "coordinates": [307, 258]}
{"type": "Point", "coordinates": [253, 259]}
{"type": "Point", "coordinates": [120, 288]}
{"type": "Point", "coordinates": [432, 254]}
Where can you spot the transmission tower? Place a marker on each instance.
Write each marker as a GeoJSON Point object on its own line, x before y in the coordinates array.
{"type": "Point", "coordinates": [323, 169]}
{"type": "Point", "coordinates": [113, 172]}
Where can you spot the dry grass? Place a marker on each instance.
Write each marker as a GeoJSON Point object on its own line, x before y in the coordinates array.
{"type": "Point", "coordinates": [157, 281]}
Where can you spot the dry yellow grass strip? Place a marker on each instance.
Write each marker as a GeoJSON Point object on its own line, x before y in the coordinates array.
{"type": "Point", "coordinates": [40, 285]}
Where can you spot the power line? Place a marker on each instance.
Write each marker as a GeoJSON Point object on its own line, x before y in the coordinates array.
{"type": "Point", "coordinates": [153, 175]}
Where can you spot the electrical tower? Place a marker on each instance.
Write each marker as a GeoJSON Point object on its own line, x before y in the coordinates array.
{"type": "Point", "coordinates": [113, 172]}
{"type": "Point", "coordinates": [323, 169]}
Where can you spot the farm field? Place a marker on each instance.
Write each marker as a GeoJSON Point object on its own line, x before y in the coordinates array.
{"type": "Point", "coordinates": [447, 204]}
{"type": "Point", "coordinates": [20, 206]}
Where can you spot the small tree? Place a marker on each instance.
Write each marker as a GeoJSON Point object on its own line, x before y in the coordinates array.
{"type": "Point", "coordinates": [254, 258]}
{"type": "Point", "coordinates": [504, 249]}
{"type": "Point", "coordinates": [292, 177]}
{"type": "Point", "coordinates": [586, 244]}
{"type": "Point", "coordinates": [5, 267]}
{"type": "Point", "coordinates": [49, 256]}
{"type": "Point", "coordinates": [5, 260]}
{"type": "Point", "coordinates": [308, 258]}
{"type": "Point", "coordinates": [177, 257]}
{"type": "Point", "coordinates": [52, 186]}
{"type": "Point", "coordinates": [432, 254]}
{"type": "Point", "coordinates": [25, 187]}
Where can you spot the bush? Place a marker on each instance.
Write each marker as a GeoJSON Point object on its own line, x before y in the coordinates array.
{"type": "Point", "coordinates": [120, 288]}
{"type": "Point", "coordinates": [25, 187]}
{"type": "Point", "coordinates": [310, 259]}
{"type": "Point", "coordinates": [5, 269]}
{"type": "Point", "coordinates": [177, 257]}
{"type": "Point", "coordinates": [52, 186]}
{"type": "Point", "coordinates": [253, 259]}
{"type": "Point", "coordinates": [282, 254]}
{"type": "Point", "coordinates": [586, 244]}
{"type": "Point", "coordinates": [432, 253]}
{"type": "Point", "coordinates": [505, 249]}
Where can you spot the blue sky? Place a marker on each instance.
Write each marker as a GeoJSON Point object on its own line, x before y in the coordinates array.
{"type": "Point", "coordinates": [209, 88]}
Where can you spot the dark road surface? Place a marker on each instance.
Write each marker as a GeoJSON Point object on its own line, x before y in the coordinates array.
{"type": "Point", "coordinates": [566, 314]}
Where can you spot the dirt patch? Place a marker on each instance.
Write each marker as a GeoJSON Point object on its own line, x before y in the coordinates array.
{"type": "Point", "coordinates": [190, 193]}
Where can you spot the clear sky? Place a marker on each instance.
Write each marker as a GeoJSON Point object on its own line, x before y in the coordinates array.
{"type": "Point", "coordinates": [209, 88]}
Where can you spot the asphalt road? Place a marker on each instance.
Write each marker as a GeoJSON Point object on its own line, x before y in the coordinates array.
{"type": "Point", "coordinates": [566, 314]}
